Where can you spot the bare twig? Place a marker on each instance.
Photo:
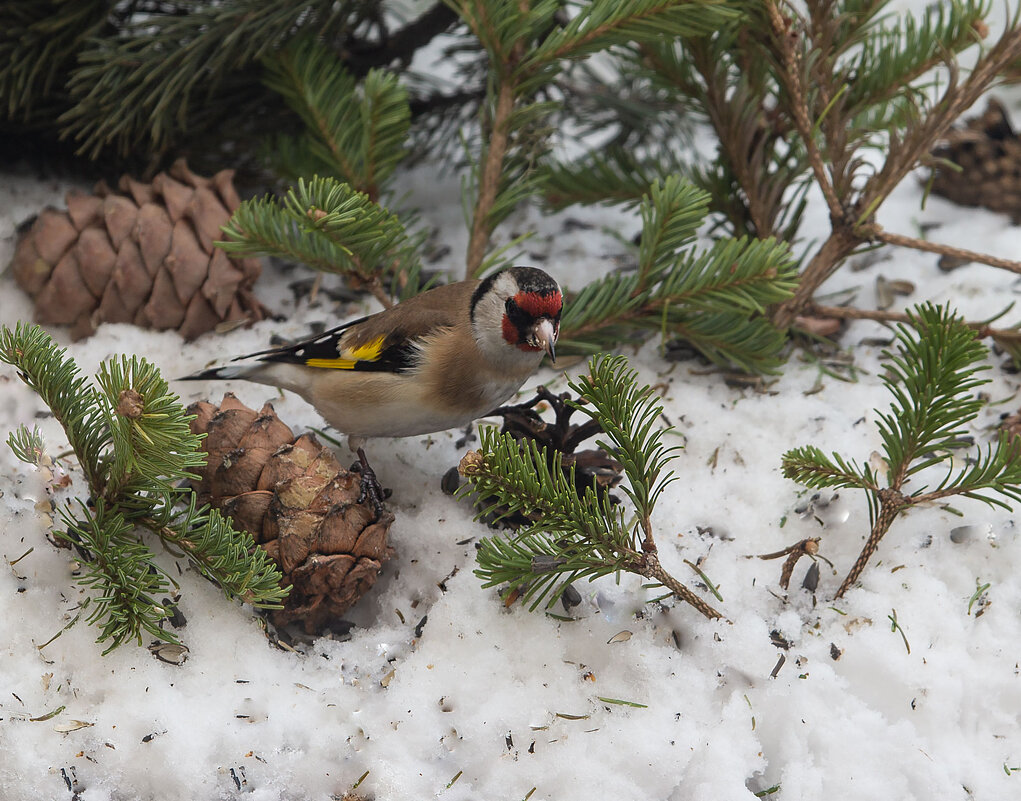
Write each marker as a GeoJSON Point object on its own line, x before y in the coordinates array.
{"type": "Point", "coordinates": [882, 316]}
{"type": "Point", "coordinates": [876, 232]}
{"type": "Point", "coordinates": [651, 568]}
{"type": "Point", "coordinates": [892, 502]}
{"type": "Point", "coordinates": [904, 153]}
{"type": "Point", "coordinates": [786, 38]}
{"type": "Point", "coordinates": [491, 169]}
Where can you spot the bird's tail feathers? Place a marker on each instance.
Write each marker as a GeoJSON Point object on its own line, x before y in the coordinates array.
{"type": "Point", "coordinates": [220, 373]}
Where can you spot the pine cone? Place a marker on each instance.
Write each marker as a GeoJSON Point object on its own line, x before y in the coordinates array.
{"type": "Point", "coordinates": [143, 256]}
{"type": "Point", "coordinates": [593, 467]}
{"type": "Point", "coordinates": [298, 503]}
{"type": "Point", "coordinates": [988, 153]}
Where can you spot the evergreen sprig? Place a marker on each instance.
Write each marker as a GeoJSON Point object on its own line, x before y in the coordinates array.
{"type": "Point", "coordinates": [714, 298]}
{"type": "Point", "coordinates": [165, 72]}
{"type": "Point", "coordinates": [795, 94]}
{"type": "Point", "coordinates": [134, 445]}
{"type": "Point", "coordinates": [354, 132]}
{"type": "Point", "coordinates": [40, 42]}
{"type": "Point", "coordinates": [931, 375]}
{"type": "Point", "coordinates": [528, 45]}
{"type": "Point", "coordinates": [332, 227]}
{"type": "Point", "coordinates": [577, 536]}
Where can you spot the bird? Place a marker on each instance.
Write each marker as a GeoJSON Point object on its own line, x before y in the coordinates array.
{"type": "Point", "coordinates": [435, 361]}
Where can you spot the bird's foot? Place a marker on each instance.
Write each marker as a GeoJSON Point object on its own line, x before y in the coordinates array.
{"type": "Point", "coordinates": [371, 489]}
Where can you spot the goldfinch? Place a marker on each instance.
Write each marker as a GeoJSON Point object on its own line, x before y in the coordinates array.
{"type": "Point", "coordinates": [436, 361]}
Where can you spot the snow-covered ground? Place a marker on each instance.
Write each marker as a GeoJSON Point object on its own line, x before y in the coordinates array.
{"type": "Point", "coordinates": [494, 703]}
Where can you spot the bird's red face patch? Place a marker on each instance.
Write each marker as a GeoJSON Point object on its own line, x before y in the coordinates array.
{"type": "Point", "coordinates": [524, 310]}
{"type": "Point", "coordinates": [540, 305]}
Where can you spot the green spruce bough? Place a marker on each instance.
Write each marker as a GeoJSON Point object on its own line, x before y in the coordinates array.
{"type": "Point", "coordinates": [714, 298]}
{"type": "Point", "coordinates": [931, 375]}
{"type": "Point", "coordinates": [578, 536]}
{"type": "Point", "coordinates": [354, 138]}
{"type": "Point", "coordinates": [132, 440]}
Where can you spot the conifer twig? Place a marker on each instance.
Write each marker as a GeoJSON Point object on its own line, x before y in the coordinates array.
{"type": "Point", "coordinates": [906, 150]}
{"type": "Point", "coordinates": [931, 375]}
{"type": "Point", "coordinates": [876, 232]}
{"type": "Point", "coordinates": [330, 226]}
{"type": "Point", "coordinates": [135, 448]}
{"type": "Point", "coordinates": [982, 328]}
{"type": "Point", "coordinates": [786, 39]}
{"type": "Point", "coordinates": [575, 536]}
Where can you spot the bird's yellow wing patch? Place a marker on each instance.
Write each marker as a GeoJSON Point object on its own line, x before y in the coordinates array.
{"type": "Point", "coordinates": [349, 357]}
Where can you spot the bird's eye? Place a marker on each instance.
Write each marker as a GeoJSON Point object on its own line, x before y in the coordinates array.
{"type": "Point", "coordinates": [510, 306]}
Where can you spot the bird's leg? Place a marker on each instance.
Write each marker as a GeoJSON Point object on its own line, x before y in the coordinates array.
{"type": "Point", "coordinates": [371, 489]}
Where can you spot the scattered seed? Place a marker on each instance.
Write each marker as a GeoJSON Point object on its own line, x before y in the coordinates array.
{"type": "Point", "coordinates": [620, 636]}
{"type": "Point", "coordinates": [811, 580]}
{"type": "Point", "coordinates": [173, 653]}
{"type": "Point", "coordinates": [451, 481]}
{"type": "Point", "coordinates": [72, 725]}
{"type": "Point", "coordinates": [570, 597]}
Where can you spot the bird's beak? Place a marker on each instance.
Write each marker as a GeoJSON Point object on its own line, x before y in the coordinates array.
{"type": "Point", "coordinates": [545, 334]}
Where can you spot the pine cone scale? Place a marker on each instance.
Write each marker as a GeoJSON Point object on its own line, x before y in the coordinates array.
{"type": "Point", "coordinates": [154, 233]}
{"type": "Point", "coordinates": [65, 296]}
{"type": "Point", "coordinates": [94, 248]}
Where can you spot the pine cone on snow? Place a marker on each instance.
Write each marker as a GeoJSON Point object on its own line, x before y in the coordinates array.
{"type": "Point", "coordinates": [988, 152]}
{"type": "Point", "coordinates": [144, 255]}
{"type": "Point", "coordinates": [592, 467]}
{"type": "Point", "coordinates": [298, 503]}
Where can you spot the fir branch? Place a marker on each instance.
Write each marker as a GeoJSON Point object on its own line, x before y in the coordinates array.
{"type": "Point", "coordinates": [795, 94]}
{"type": "Point", "coordinates": [68, 395]}
{"type": "Point", "coordinates": [526, 50]}
{"type": "Point", "coordinates": [715, 299]}
{"type": "Point", "coordinates": [222, 554]}
{"type": "Point", "coordinates": [120, 571]}
{"type": "Point", "coordinates": [576, 536]}
{"type": "Point", "coordinates": [808, 465]}
{"type": "Point", "coordinates": [134, 445]}
{"type": "Point", "coordinates": [27, 445]}
{"type": "Point", "coordinates": [599, 26]}
{"type": "Point", "coordinates": [899, 49]}
{"type": "Point", "coordinates": [148, 80]}
{"type": "Point", "coordinates": [907, 145]}
{"type": "Point", "coordinates": [152, 447]}
{"type": "Point", "coordinates": [329, 226]}
{"type": "Point", "coordinates": [355, 132]}
{"type": "Point", "coordinates": [40, 43]}
{"type": "Point", "coordinates": [628, 414]}
{"type": "Point", "coordinates": [611, 177]}
{"type": "Point", "coordinates": [932, 376]}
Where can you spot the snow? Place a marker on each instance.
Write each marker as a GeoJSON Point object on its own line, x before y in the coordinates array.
{"type": "Point", "coordinates": [489, 702]}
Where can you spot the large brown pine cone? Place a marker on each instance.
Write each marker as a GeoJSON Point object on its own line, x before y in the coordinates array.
{"type": "Point", "coordinates": [988, 154]}
{"type": "Point", "coordinates": [143, 256]}
{"type": "Point", "coordinates": [298, 503]}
